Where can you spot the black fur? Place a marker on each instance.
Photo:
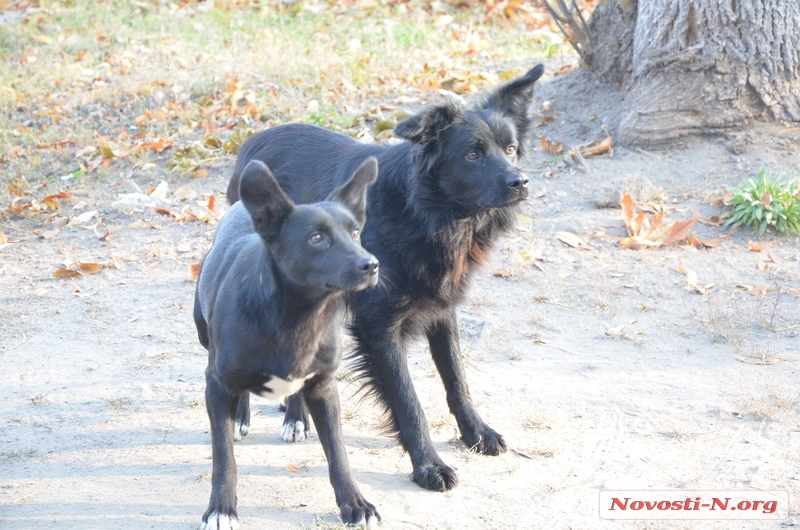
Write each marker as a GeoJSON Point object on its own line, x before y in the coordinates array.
{"type": "Point", "coordinates": [442, 200]}
{"type": "Point", "coordinates": [268, 308]}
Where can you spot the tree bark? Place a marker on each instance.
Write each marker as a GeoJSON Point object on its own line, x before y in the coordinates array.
{"type": "Point", "coordinates": [694, 67]}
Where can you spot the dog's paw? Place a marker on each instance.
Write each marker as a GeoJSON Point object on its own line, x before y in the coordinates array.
{"type": "Point", "coordinates": [294, 431]}
{"type": "Point", "coordinates": [359, 512]}
{"type": "Point", "coordinates": [219, 521]}
{"type": "Point", "coordinates": [240, 430]}
{"type": "Point", "coordinates": [486, 442]}
{"type": "Point", "coordinates": [436, 477]}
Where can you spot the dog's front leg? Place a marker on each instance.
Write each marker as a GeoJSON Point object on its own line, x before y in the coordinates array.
{"type": "Point", "coordinates": [382, 360]}
{"type": "Point", "coordinates": [322, 399]}
{"type": "Point", "coordinates": [221, 406]}
{"type": "Point", "coordinates": [296, 427]}
{"type": "Point", "coordinates": [443, 341]}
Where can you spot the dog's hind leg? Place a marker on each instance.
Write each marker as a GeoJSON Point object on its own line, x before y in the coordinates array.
{"type": "Point", "coordinates": [296, 426]}
{"type": "Point", "coordinates": [322, 399]}
{"type": "Point", "coordinates": [221, 406]}
{"type": "Point", "coordinates": [200, 322]}
{"type": "Point", "coordinates": [241, 425]}
{"type": "Point", "coordinates": [383, 363]}
{"type": "Point", "coordinates": [443, 341]}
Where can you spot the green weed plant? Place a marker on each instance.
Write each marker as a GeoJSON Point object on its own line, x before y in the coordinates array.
{"type": "Point", "coordinates": [765, 201]}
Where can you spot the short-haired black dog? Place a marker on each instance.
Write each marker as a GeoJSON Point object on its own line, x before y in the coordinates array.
{"type": "Point", "coordinates": [268, 309]}
{"type": "Point", "coordinates": [442, 200]}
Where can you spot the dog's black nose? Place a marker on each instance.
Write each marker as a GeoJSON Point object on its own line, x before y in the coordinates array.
{"type": "Point", "coordinates": [517, 181]}
{"type": "Point", "coordinates": [368, 265]}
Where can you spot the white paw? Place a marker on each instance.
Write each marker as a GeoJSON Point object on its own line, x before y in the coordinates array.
{"type": "Point", "coordinates": [218, 521]}
{"type": "Point", "coordinates": [294, 432]}
{"type": "Point", "coordinates": [240, 431]}
{"type": "Point", "coordinates": [372, 523]}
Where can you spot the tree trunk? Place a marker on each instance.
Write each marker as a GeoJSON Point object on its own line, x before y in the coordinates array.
{"type": "Point", "coordinates": [694, 67]}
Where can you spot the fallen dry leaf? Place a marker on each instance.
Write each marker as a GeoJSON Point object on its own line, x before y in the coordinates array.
{"type": "Point", "coordinates": [19, 186]}
{"type": "Point", "coordinates": [88, 268]}
{"type": "Point", "coordinates": [503, 273]}
{"type": "Point", "coordinates": [573, 240]}
{"type": "Point", "coordinates": [680, 229]}
{"type": "Point", "coordinates": [637, 243]}
{"type": "Point", "coordinates": [293, 468]}
{"type": "Point", "coordinates": [64, 272]}
{"type": "Point", "coordinates": [763, 266]}
{"type": "Point", "coordinates": [524, 454]}
{"type": "Point", "coordinates": [695, 241]}
{"type": "Point", "coordinates": [82, 218]}
{"type": "Point", "coordinates": [553, 148]}
{"type": "Point", "coordinates": [754, 246]}
{"type": "Point", "coordinates": [651, 232]}
{"type": "Point", "coordinates": [194, 270]}
{"type": "Point", "coordinates": [600, 147]}
{"type": "Point", "coordinates": [101, 231]}
{"type": "Point", "coordinates": [757, 290]}
{"type": "Point", "coordinates": [546, 119]}
{"type": "Point", "coordinates": [184, 193]}
{"type": "Point", "coordinates": [531, 254]}
{"type": "Point", "coordinates": [3, 239]}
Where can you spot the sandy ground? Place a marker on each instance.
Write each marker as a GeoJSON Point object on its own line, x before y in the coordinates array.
{"type": "Point", "coordinates": [599, 365]}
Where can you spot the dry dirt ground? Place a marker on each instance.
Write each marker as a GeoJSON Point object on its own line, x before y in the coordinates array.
{"type": "Point", "coordinates": [599, 365]}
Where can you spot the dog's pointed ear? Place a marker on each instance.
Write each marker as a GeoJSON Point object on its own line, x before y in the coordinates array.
{"type": "Point", "coordinates": [264, 199]}
{"type": "Point", "coordinates": [514, 98]}
{"type": "Point", "coordinates": [353, 193]}
{"type": "Point", "coordinates": [427, 124]}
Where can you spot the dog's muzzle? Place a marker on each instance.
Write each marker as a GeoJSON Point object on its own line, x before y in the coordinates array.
{"type": "Point", "coordinates": [368, 266]}
{"type": "Point", "coordinates": [518, 182]}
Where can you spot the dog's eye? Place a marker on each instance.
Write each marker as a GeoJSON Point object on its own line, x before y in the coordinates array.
{"type": "Point", "coordinates": [315, 239]}
{"type": "Point", "coordinates": [473, 155]}
{"type": "Point", "coordinates": [355, 233]}
{"type": "Point", "coordinates": [511, 150]}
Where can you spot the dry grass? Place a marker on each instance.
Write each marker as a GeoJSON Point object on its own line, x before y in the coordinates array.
{"type": "Point", "coordinates": [744, 323]}
{"type": "Point", "coordinates": [771, 404]}
{"type": "Point", "coordinates": [82, 71]}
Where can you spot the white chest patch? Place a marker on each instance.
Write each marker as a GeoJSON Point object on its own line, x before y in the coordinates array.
{"type": "Point", "coordinates": [278, 388]}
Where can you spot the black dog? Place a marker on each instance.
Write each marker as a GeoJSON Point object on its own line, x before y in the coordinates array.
{"type": "Point", "coordinates": [268, 309]}
{"type": "Point", "coordinates": [442, 200]}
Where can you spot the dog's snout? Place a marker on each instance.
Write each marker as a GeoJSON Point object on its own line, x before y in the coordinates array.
{"type": "Point", "coordinates": [368, 265]}
{"type": "Point", "coordinates": [518, 181]}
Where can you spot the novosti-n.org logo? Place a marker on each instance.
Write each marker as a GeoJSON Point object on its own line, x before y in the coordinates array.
{"type": "Point", "coordinates": [695, 504]}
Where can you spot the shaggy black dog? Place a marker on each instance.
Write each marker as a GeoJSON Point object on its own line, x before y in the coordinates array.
{"type": "Point", "coordinates": [441, 200]}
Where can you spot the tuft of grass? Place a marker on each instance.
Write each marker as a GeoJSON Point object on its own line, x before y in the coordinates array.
{"type": "Point", "coordinates": [765, 201]}
{"type": "Point", "coordinates": [772, 405]}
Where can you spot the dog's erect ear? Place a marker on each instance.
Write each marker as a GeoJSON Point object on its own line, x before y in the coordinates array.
{"type": "Point", "coordinates": [264, 199]}
{"type": "Point", "coordinates": [514, 98]}
{"type": "Point", "coordinates": [427, 125]}
{"type": "Point", "coordinates": [353, 193]}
